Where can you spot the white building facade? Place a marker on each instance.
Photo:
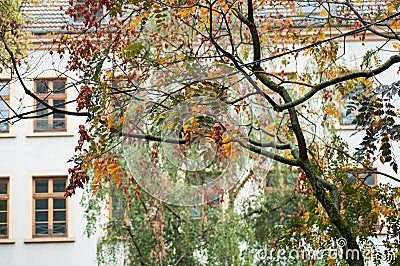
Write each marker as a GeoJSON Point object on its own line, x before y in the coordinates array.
{"type": "Point", "coordinates": [38, 225]}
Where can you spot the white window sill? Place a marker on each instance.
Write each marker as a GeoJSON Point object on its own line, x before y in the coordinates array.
{"type": "Point", "coordinates": [7, 241]}
{"type": "Point", "coordinates": [49, 240]}
{"type": "Point", "coordinates": [49, 134]}
{"type": "Point", "coordinates": [7, 135]}
{"type": "Point", "coordinates": [345, 127]}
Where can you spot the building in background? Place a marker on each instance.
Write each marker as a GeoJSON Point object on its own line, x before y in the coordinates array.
{"type": "Point", "coordinates": [38, 226]}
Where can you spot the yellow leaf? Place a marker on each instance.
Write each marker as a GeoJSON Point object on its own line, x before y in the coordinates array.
{"type": "Point", "coordinates": [184, 12]}
{"type": "Point", "coordinates": [208, 134]}
{"type": "Point", "coordinates": [226, 140]}
{"type": "Point", "coordinates": [109, 122]}
{"type": "Point", "coordinates": [396, 45]}
{"type": "Point", "coordinates": [306, 215]}
{"type": "Point", "coordinates": [113, 171]}
{"type": "Point", "coordinates": [321, 35]}
{"type": "Point", "coordinates": [194, 120]}
{"type": "Point", "coordinates": [97, 177]}
{"type": "Point", "coordinates": [163, 60]}
{"type": "Point", "coordinates": [323, 12]}
{"type": "Point", "coordinates": [330, 110]}
{"type": "Point", "coordinates": [228, 148]}
{"type": "Point", "coordinates": [288, 154]}
{"type": "Point", "coordinates": [137, 20]}
{"type": "Point", "coordinates": [112, 165]}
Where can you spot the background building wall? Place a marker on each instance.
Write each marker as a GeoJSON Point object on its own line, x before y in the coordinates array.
{"type": "Point", "coordinates": [23, 154]}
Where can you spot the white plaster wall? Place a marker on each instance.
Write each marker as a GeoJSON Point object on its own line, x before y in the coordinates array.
{"type": "Point", "coordinates": [22, 154]}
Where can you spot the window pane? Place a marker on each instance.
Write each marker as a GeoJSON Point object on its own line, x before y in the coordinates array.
{"type": "Point", "coordinates": [3, 114]}
{"type": "Point", "coordinates": [351, 178]}
{"type": "Point", "coordinates": [4, 127]}
{"type": "Point", "coordinates": [115, 207]}
{"type": "Point", "coordinates": [3, 186]}
{"type": "Point", "coordinates": [59, 203]}
{"type": "Point", "coordinates": [348, 119]}
{"type": "Point", "coordinates": [41, 216]}
{"type": "Point", "coordinates": [42, 108]}
{"type": "Point", "coordinates": [99, 12]}
{"type": "Point", "coordinates": [59, 216]}
{"type": "Point", "coordinates": [42, 86]}
{"type": "Point", "coordinates": [114, 84]}
{"type": "Point", "coordinates": [59, 185]}
{"type": "Point", "coordinates": [41, 229]}
{"type": "Point", "coordinates": [41, 204]}
{"type": "Point", "coordinates": [59, 124]}
{"type": "Point", "coordinates": [42, 125]}
{"type": "Point", "coordinates": [58, 115]}
{"type": "Point", "coordinates": [3, 229]}
{"type": "Point", "coordinates": [59, 228]}
{"type": "Point", "coordinates": [59, 87]}
{"type": "Point", "coordinates": [61, 105]}
{"type": "Point", "coordinates": [41, 186]}
{"type": "Point", "coordinates": [3, 205]}
{"type": "Point", "coordinates": [3, 107]}
{"type": "Point", "coordinates": [3, 88]}
{"type": "Point", "coordinates": [195, 212]}
{"type": "Point", "coordinates": [3, 217]}
{"type": "Point", "coordinates": [369, 179]}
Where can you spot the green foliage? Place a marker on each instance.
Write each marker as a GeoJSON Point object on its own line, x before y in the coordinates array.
{"type": "Point", "coordinates": [377, 116]}
{"type": "Point", "coordinates": [325, 202]}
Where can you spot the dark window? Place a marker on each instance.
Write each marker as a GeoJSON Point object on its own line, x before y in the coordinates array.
{"type": "Point", "coordinates": [4, 196]}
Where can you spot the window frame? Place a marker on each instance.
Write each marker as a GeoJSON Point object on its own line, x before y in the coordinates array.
{"type": "Point", "coordinates": [79, 19]}
{"type": "Point", "coordinates": [6, 197]}
{"type": "Point", "coordinates": [343, 114]}
{"type": "Point", "coordinates": [50, 97]}
{"type": "Point", "coordinates": [50, 194]}
{"type": "Point", "coordinates": [200, 212]}
{"type": "Point", "coordinates": [360, 171]}
{"type": "Point", "coordinates": [6, 98]}
{"type": "Point", "coordinates": [311, 10]}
